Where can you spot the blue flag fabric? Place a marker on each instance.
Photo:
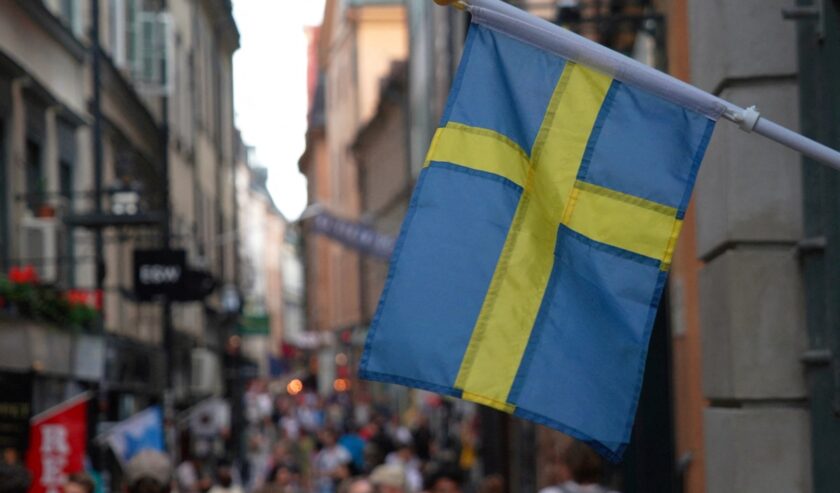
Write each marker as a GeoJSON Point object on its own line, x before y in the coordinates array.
{"type": "Point", "coordinates": [142, 431]}
{"type": "Point", "coordinates": [536, 246]}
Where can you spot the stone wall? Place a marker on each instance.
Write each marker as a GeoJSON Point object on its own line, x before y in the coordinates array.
{"type": "Point", "coordinates": [749, 218]}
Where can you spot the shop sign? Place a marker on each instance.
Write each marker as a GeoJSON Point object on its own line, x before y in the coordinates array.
{"type": "Point", "coordinates": [354, 235]}
{"type": "Point", "coordinates": [255, 325]}
{"type": "Point", "coordinates": [159, 273]}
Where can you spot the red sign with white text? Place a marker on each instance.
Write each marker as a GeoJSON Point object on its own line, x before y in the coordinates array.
{"type": "Point", "coordinates": [57, 442]}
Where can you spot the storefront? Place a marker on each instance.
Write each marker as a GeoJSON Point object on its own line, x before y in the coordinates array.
{"type": "Point", "coordinates": [41, 366]}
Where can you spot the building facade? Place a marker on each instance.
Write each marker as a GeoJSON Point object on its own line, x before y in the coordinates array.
{"type": "Point", "coordinates": [765, 245]}
{"type": "Point", "coordinates": [385, 178]}
{"type": "Point", "coordinates": [357, 44]}
{"type": "Point", "coordinates": [43, 141]}
{"type": "Point", "coordinates": [165, 122]}
{"type": "Point", "coordinates": [263, 230]}
{"type": "Point", "coordinates": [689, 400]}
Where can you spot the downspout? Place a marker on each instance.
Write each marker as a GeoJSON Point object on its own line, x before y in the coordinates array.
{"type": "Point", "coordinates": [819, 78]}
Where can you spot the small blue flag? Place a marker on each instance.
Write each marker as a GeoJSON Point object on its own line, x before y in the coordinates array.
{"type": "Point", "coordinates": [143, 431]}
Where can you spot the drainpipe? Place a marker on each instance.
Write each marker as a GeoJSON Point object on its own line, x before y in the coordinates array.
{"type": "Point", "coordinates": [819, 78]}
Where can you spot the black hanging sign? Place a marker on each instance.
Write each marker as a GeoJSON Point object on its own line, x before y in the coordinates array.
{"type": "Point", "coordinates": [159, 273]}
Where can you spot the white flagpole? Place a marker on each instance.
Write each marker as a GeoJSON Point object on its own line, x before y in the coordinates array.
{"type": "Point", "coordinates": [519, 24]}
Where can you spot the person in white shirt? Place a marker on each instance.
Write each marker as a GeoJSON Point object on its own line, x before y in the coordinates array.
{"type": "Point", "coordinates": [224, 480]}
{"type": "Point", "coordinates": [405, 458]}
{"type": "Point", "coordinates": [331, 463]}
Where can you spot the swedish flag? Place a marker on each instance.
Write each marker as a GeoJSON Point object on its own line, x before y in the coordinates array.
{"type": "Point", "coordinates": [537, 242]}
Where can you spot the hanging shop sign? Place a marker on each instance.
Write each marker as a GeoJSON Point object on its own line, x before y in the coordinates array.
{"type": "Point", "coordinates": [159, 273]}
{"type": "Point", "coordinates": [162, 274]}
{"type": "Point", "coordinates": [354, 235]}
{"type": "Point", "coordinates": [255, 325]}
{"type": "Point", "coordinates": [196, 285]}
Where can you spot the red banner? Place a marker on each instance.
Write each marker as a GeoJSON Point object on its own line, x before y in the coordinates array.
{"type": "Point", "coordinates": [57, 441]}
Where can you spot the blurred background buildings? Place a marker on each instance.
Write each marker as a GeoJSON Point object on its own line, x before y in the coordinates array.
{"type": "Point", "coordinates": [115, 136]}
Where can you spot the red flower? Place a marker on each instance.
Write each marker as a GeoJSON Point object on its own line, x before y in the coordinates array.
{"type": "Point", "coordinates": [75, 297]}
{"type": "Point", "coordinates": [98, 299]}
{"type": "Point", "coordinates": [84, 297]}
{"type": "Point", "coordinates": [30, 274]}
{"type": "Point", "coordinates": [25, 275]}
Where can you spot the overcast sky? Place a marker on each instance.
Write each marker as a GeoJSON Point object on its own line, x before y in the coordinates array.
{"type": "Point", "coordinates": [269, 77]}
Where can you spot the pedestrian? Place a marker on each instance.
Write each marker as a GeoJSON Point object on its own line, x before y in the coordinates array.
{"type": "Point", "coordinates": [379, 437]}
{"type": "Point", "coordinates": [354, 444]}
{"type": "Point", "coordinates": [405, 458]}
{"type": "Point", "coordinates": [494, 483]}
{"type": "Point", "coordinates": [281, 453]}
{"type": "Point", "coordinates": [358, 485]}
{"type": "Point", "coordinates": [388, 478]}
{"type": "Point", "coordinates": [187, 475]}
{"type": "Point", "coordinates": [14, 478]}
{"type": "Point", "coordinates": [422, 438]}
{"type": "Point", "coordinates": [224, 479]}
{"type": "Point", "coordinates": [581, 470]}
{"type": "Point", "coordinates": [289, 423]}
{"type": "Point", "coordinates": [149, 471]}
{"type": "Point", "coordinates": [445, 480]}
{"type": "Point", "coordinates": [283, 478]}
{"type": "Point", "coordinates": [79, 483]}
{"type": "Point", "coordinates": [331, 464]}
{"type": "Point", "coordinates": [205, 481]}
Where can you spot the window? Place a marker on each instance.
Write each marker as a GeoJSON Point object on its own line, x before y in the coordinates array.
{"type": "Point", "coordinates": [154, 44]}
{"type": "Point", "coordinates": [217, 240]}
{"type": "Point", "coordinates": [65, 177]}
{"type": "Point", "coordinates": [123, 32]}
{"type": "Point", "coordinates": [66, 165]}
{"type": "Point", "coordinates": [200, 226]}
{"type": "Point", "coordinates": [131, 31]}
{"type": "Point", "coordinates": [216, 101]}
{"type": "Point", "coordinates": [70, 16]}
{"type": "Point", "coordinates": [35, 184]}
{"type": "Point", "coordinates": [66, 159]}
{"type": "Point", "coordinates": [117, 32]}
{"type": "Point", "coordinates": [68, 10]}
{"type": "Point", "coordinates": [142, 42]}
{"type": "Point", "coordinates": [4, 206]}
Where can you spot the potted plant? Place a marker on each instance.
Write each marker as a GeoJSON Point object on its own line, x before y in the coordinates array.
{"type": "Point", "coordinates": [17, 290]}
{"type": "Point", "coordinates": [21, 294]}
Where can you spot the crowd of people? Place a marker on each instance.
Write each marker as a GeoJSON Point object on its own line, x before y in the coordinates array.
{"type": "Point", "coordinates": [310, 444]}
{"type": "Point", "coordinates": [151, 472]}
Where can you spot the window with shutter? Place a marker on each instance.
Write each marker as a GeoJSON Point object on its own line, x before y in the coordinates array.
{"type": "Point", "coordinates": [153, 45]}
